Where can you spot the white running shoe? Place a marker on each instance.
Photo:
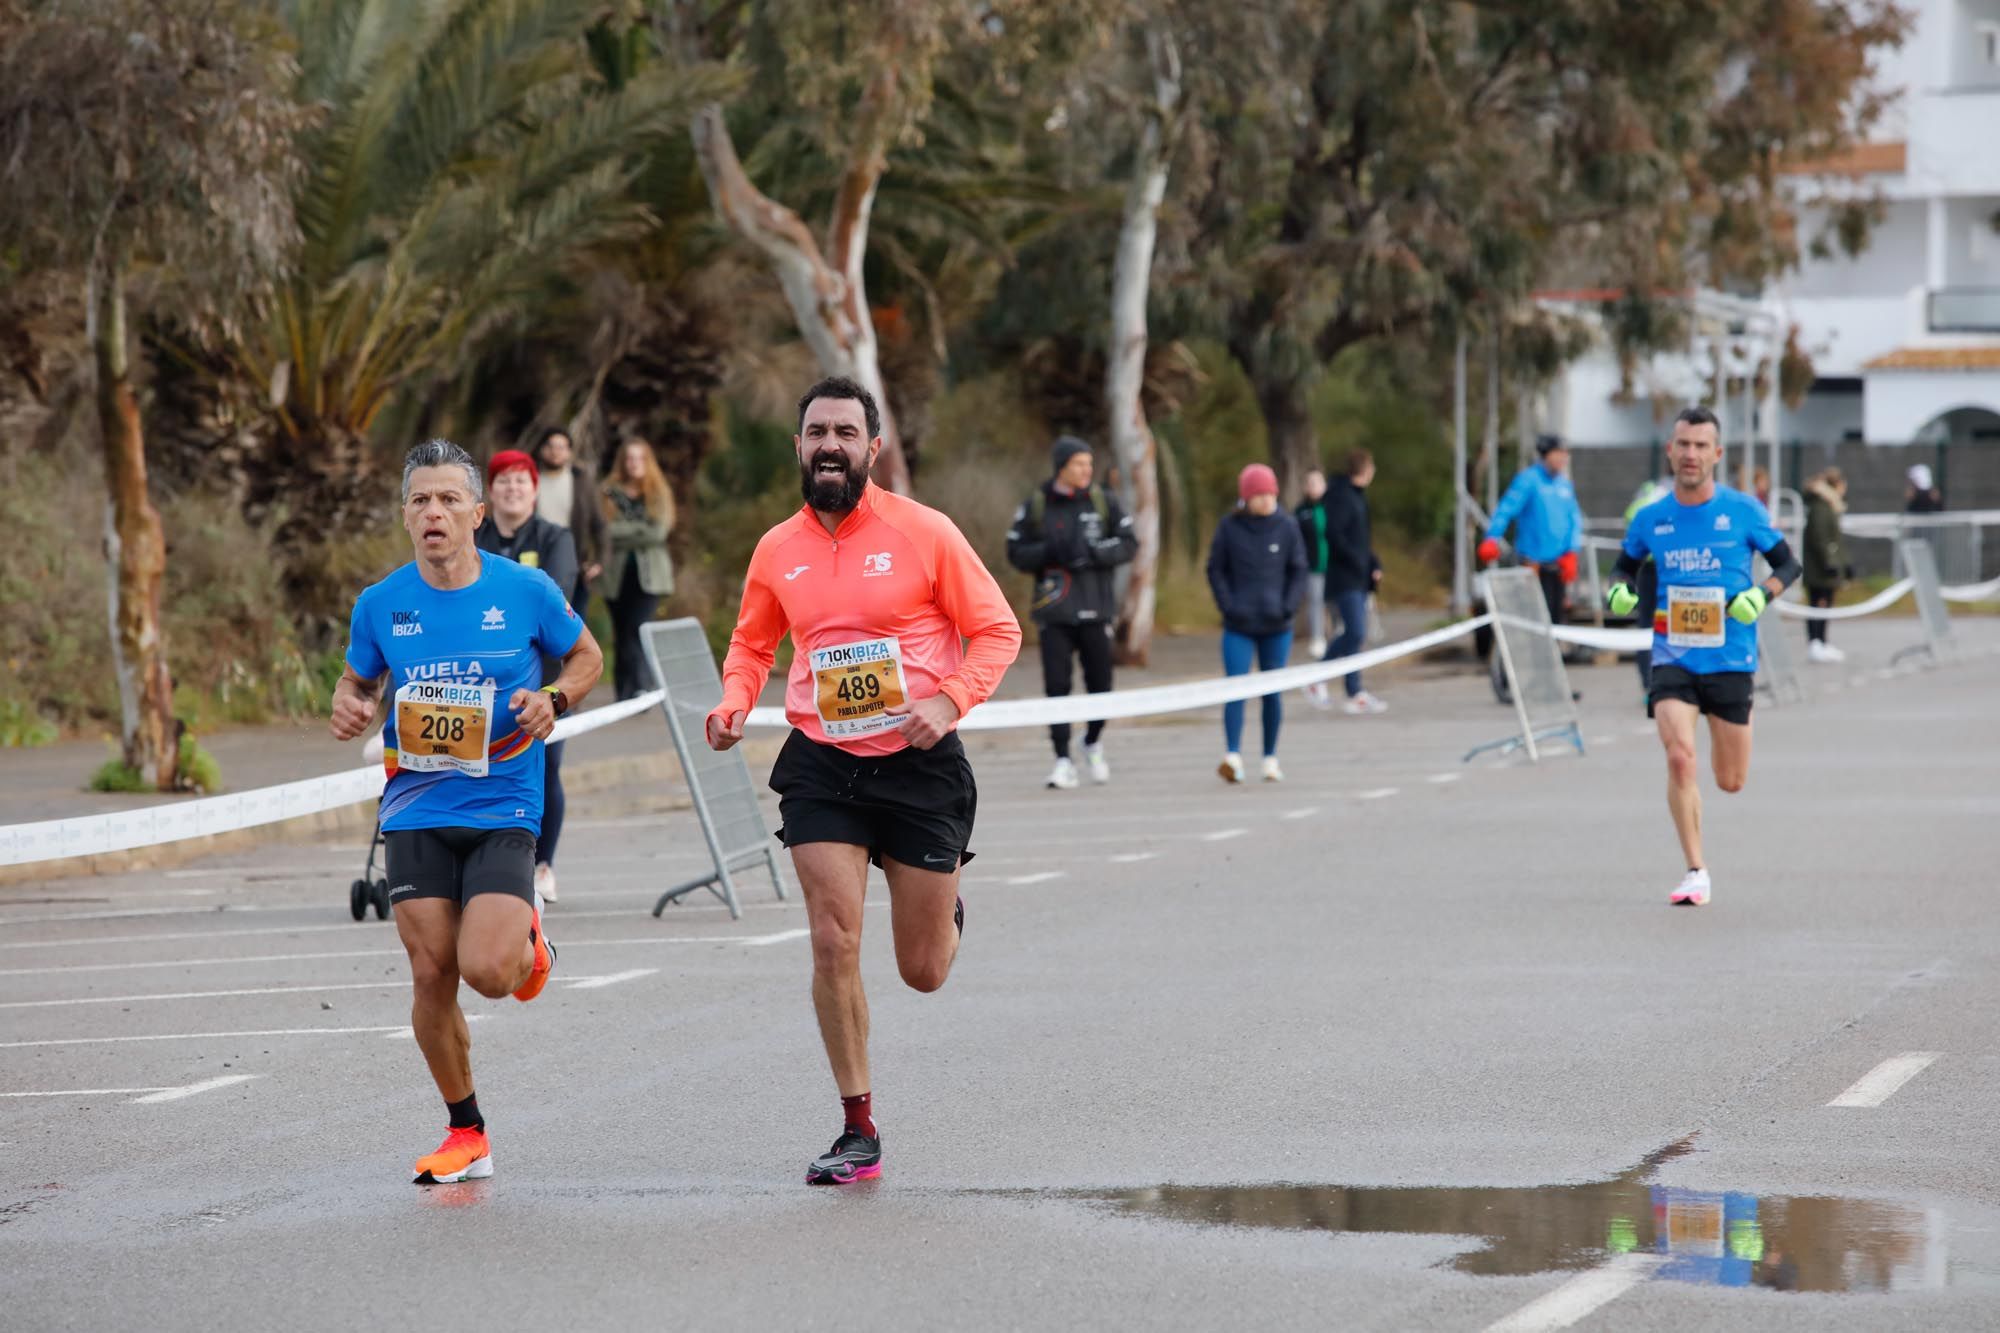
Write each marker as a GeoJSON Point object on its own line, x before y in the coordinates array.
{"type": "Point", "coordinates": [1318, 649]}
{"type": "Point", "coordinates": [1317, 695]}
{"type": "Point", "coordinates": [1063, 776]}
{"type": "Point", "coordinates": [1098, 766]}
{"type": "Point", "coordinates": [1272, 773]}
{"type": "Point", "coordinates": [1364, 702]}
{"type": "Point", "coordinates": [1231, 767]}
{"type": "Point", "coordinates": [1693, 890]}
{"type": "Point", "coordinates": [1819, 650]}
{"type": "Point", "coordinates": [545, 881]}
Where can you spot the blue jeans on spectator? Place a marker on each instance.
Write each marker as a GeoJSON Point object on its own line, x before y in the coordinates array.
{"type": "Point", "coordinates": [553, 803]}
{"type": "Point", "coordinates": [1270, 651]}
{"type": "Point", "coordinates": [1353, 610]}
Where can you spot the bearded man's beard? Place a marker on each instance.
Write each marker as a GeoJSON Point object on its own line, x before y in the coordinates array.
{"type": "Point", "coordinates": [830, 492]}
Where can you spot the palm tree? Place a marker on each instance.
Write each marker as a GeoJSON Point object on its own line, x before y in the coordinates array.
{"type": "Point", "coordinates": [470, 160]}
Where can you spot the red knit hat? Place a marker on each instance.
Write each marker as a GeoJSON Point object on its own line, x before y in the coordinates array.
{"type": "Point", "coordinates": [508, 460]}
{"type": "Point", "coordinates": [1256, 479]}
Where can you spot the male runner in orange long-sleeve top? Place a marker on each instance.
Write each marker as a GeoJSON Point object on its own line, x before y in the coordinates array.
{"type": "Point", "coordinates": [877, 592]}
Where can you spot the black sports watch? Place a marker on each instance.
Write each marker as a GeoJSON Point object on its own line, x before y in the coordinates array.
{"type": "Point", "coordinates": [560, 699]}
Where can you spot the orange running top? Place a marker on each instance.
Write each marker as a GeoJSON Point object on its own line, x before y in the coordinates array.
{"type": "Point", "coordinates": [895, 569]}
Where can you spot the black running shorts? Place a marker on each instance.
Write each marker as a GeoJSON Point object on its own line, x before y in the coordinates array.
{"type": "Point", "coordinates": [915, 806]}
{"type": "Point", "coordinates": [1723, 694]}
{"type": "Point", "coordinates": [457, 863]}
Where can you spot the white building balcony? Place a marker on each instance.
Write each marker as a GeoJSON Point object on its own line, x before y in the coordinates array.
{"type": "Point", "coordinates": [1964, 310]}
{"type": "Point", "coordinates": [1952, 141]}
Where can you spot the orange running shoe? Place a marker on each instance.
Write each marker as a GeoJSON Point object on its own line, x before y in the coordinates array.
{"type": "Point", "coordinates": [545, 959]}
{"type": "Point", "coordinates": [464, 1155]}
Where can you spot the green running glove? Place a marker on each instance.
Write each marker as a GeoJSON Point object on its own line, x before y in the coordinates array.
{"type": "Point", "coordinates": [1746, 606]}
{"type": "Point", "coordinates": [1621, 600]}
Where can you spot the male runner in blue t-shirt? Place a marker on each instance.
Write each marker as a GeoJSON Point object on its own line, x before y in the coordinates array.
{"type": "Point", "coordinates": [459, 635]}
{"type": "Point", "coordinates": [1702, 539]}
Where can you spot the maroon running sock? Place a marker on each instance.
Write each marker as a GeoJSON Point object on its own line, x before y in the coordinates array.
{"type": "Point", "coordinates": [860, 1112]}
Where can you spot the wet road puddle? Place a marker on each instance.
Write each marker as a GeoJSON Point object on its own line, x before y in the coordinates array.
{"type": "Point", "coordinates": [1729, 1238]}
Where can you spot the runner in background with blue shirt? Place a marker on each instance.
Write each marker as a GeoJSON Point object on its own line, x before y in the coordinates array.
{"type": "Point", "coordinates": [1702, 539]}
{"type": "Point", "coordinates": [459, 634]}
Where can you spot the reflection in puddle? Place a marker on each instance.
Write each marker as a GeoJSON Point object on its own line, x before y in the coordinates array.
{"type": "Point", "coordinates": [1729, 1239]}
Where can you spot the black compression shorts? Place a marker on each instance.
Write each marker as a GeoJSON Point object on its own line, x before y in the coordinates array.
{"type": "Point", "coordinates": [915, 806]}
{"type": "Point", "coordinates": [457, 863]}
{"type": "Point", "coordinates": [1724, 694]}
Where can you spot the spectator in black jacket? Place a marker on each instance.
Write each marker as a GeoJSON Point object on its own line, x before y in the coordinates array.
{"type": "Point", "coordinates": [513, 529]}
{"type": "Point", "coordinates": [1072, 536]}
{"type": "Point", "coordinates": [1352, 574]}
{"type": "Point", "coordinates": [1257, 571]}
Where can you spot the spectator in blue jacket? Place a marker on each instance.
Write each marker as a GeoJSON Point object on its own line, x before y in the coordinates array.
{"type": "Point", "coordinates": [1548, 523]}
{"type": "Point", "coordinates": [1257, 571]}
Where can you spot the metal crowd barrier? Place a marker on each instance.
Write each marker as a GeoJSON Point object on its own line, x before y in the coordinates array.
{"type": "Point", "coordinates": [725, 796]}
{"type": "Point", "coordinates": [1544, 704]}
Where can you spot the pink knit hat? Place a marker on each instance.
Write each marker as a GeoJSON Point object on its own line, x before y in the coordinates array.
{"type": "Point", "coordinates": [1256, 479]}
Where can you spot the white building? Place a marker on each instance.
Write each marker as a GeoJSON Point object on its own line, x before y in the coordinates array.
{"type": "Point", "coordinates": [1905, 338]}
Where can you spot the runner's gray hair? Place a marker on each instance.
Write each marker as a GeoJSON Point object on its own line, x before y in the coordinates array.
{"type": "Point", "coordinates": [443, 453]}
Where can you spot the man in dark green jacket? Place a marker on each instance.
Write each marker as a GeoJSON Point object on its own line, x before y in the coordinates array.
{"type": "Point", "coordinates": [1311, 515]}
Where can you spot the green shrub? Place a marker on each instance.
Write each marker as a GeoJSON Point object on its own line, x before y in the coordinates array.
{"type": "Point", "coordinates": [198, 770]}
{"type": "Point", "coordinates": [117, 775]}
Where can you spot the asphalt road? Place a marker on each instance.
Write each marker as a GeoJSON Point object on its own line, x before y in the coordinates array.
{"type": "Point", "coordinates": [1399, 1043]}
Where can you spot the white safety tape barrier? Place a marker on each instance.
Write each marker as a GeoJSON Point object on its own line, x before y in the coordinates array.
{"type": "Point", "coordinates": [1177, 698]}
{"type": "Point", "coordinates": [1587, 636]}
{"type": "Point", "coordinates": [1889, 596]}
{"type": "Point", "coordinates": [1988, 591]}
{"type": "Point", "coordinates": [94, 835]}
{"type": "Point", "coordinates": [1636, 640]}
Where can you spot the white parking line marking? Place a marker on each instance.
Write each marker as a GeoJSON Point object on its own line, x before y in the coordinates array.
{"type": "Point", "coordinates": [599, 983]}
{"type": "Point", "coordinates": [1881, 1083]}
{"type": "Point", "coordinates": [800, 933]}
{"type": "Point", "coordinates": [1376, 793]}
{"type": "Point", "coordinates": [1039, 877]}
{"type": "Point", "coordinates": [86, 1092]}
{"type": "Point", "coordinates": [381, 953]}
{"type": "Point", "coordinates": [1132, 858]}
{"type": "Point", "coordinates": [1647, 730]}
{"type": "Point", "coordinates": [1442, 778]}
{"type": "Point", "coordinates": [1606, 739]}
{"type": "Point", "coordinates": [1224, 835]}
{"type": "Point", "coordinates": [176, 935]}
{"type": "Point", "coordinates": [407, 1033]}
{"type": "Point", "coordinates": [385, 983]}
{"type": "Point", "coordinates": [1306, 812]}
{"type": "Point", "coordinates": [197, 962]}
{"type": "Point", "coordinates": [195, 1036]}
{"type": "Point", "coordinates": [1580, 1295]}
{"type": "Point", "coordinates": [192, 1089]}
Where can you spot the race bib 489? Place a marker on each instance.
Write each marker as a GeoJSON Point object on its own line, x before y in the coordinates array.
{"type": "Point", "coordinates": [855, 684]}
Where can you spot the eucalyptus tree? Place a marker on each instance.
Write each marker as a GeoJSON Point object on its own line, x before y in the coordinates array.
{"type": "Point", "coordinates": [144, 144]}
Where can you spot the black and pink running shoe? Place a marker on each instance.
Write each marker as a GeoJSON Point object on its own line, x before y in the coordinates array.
{"type": "Point", "coordinates": [853, 1157]}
